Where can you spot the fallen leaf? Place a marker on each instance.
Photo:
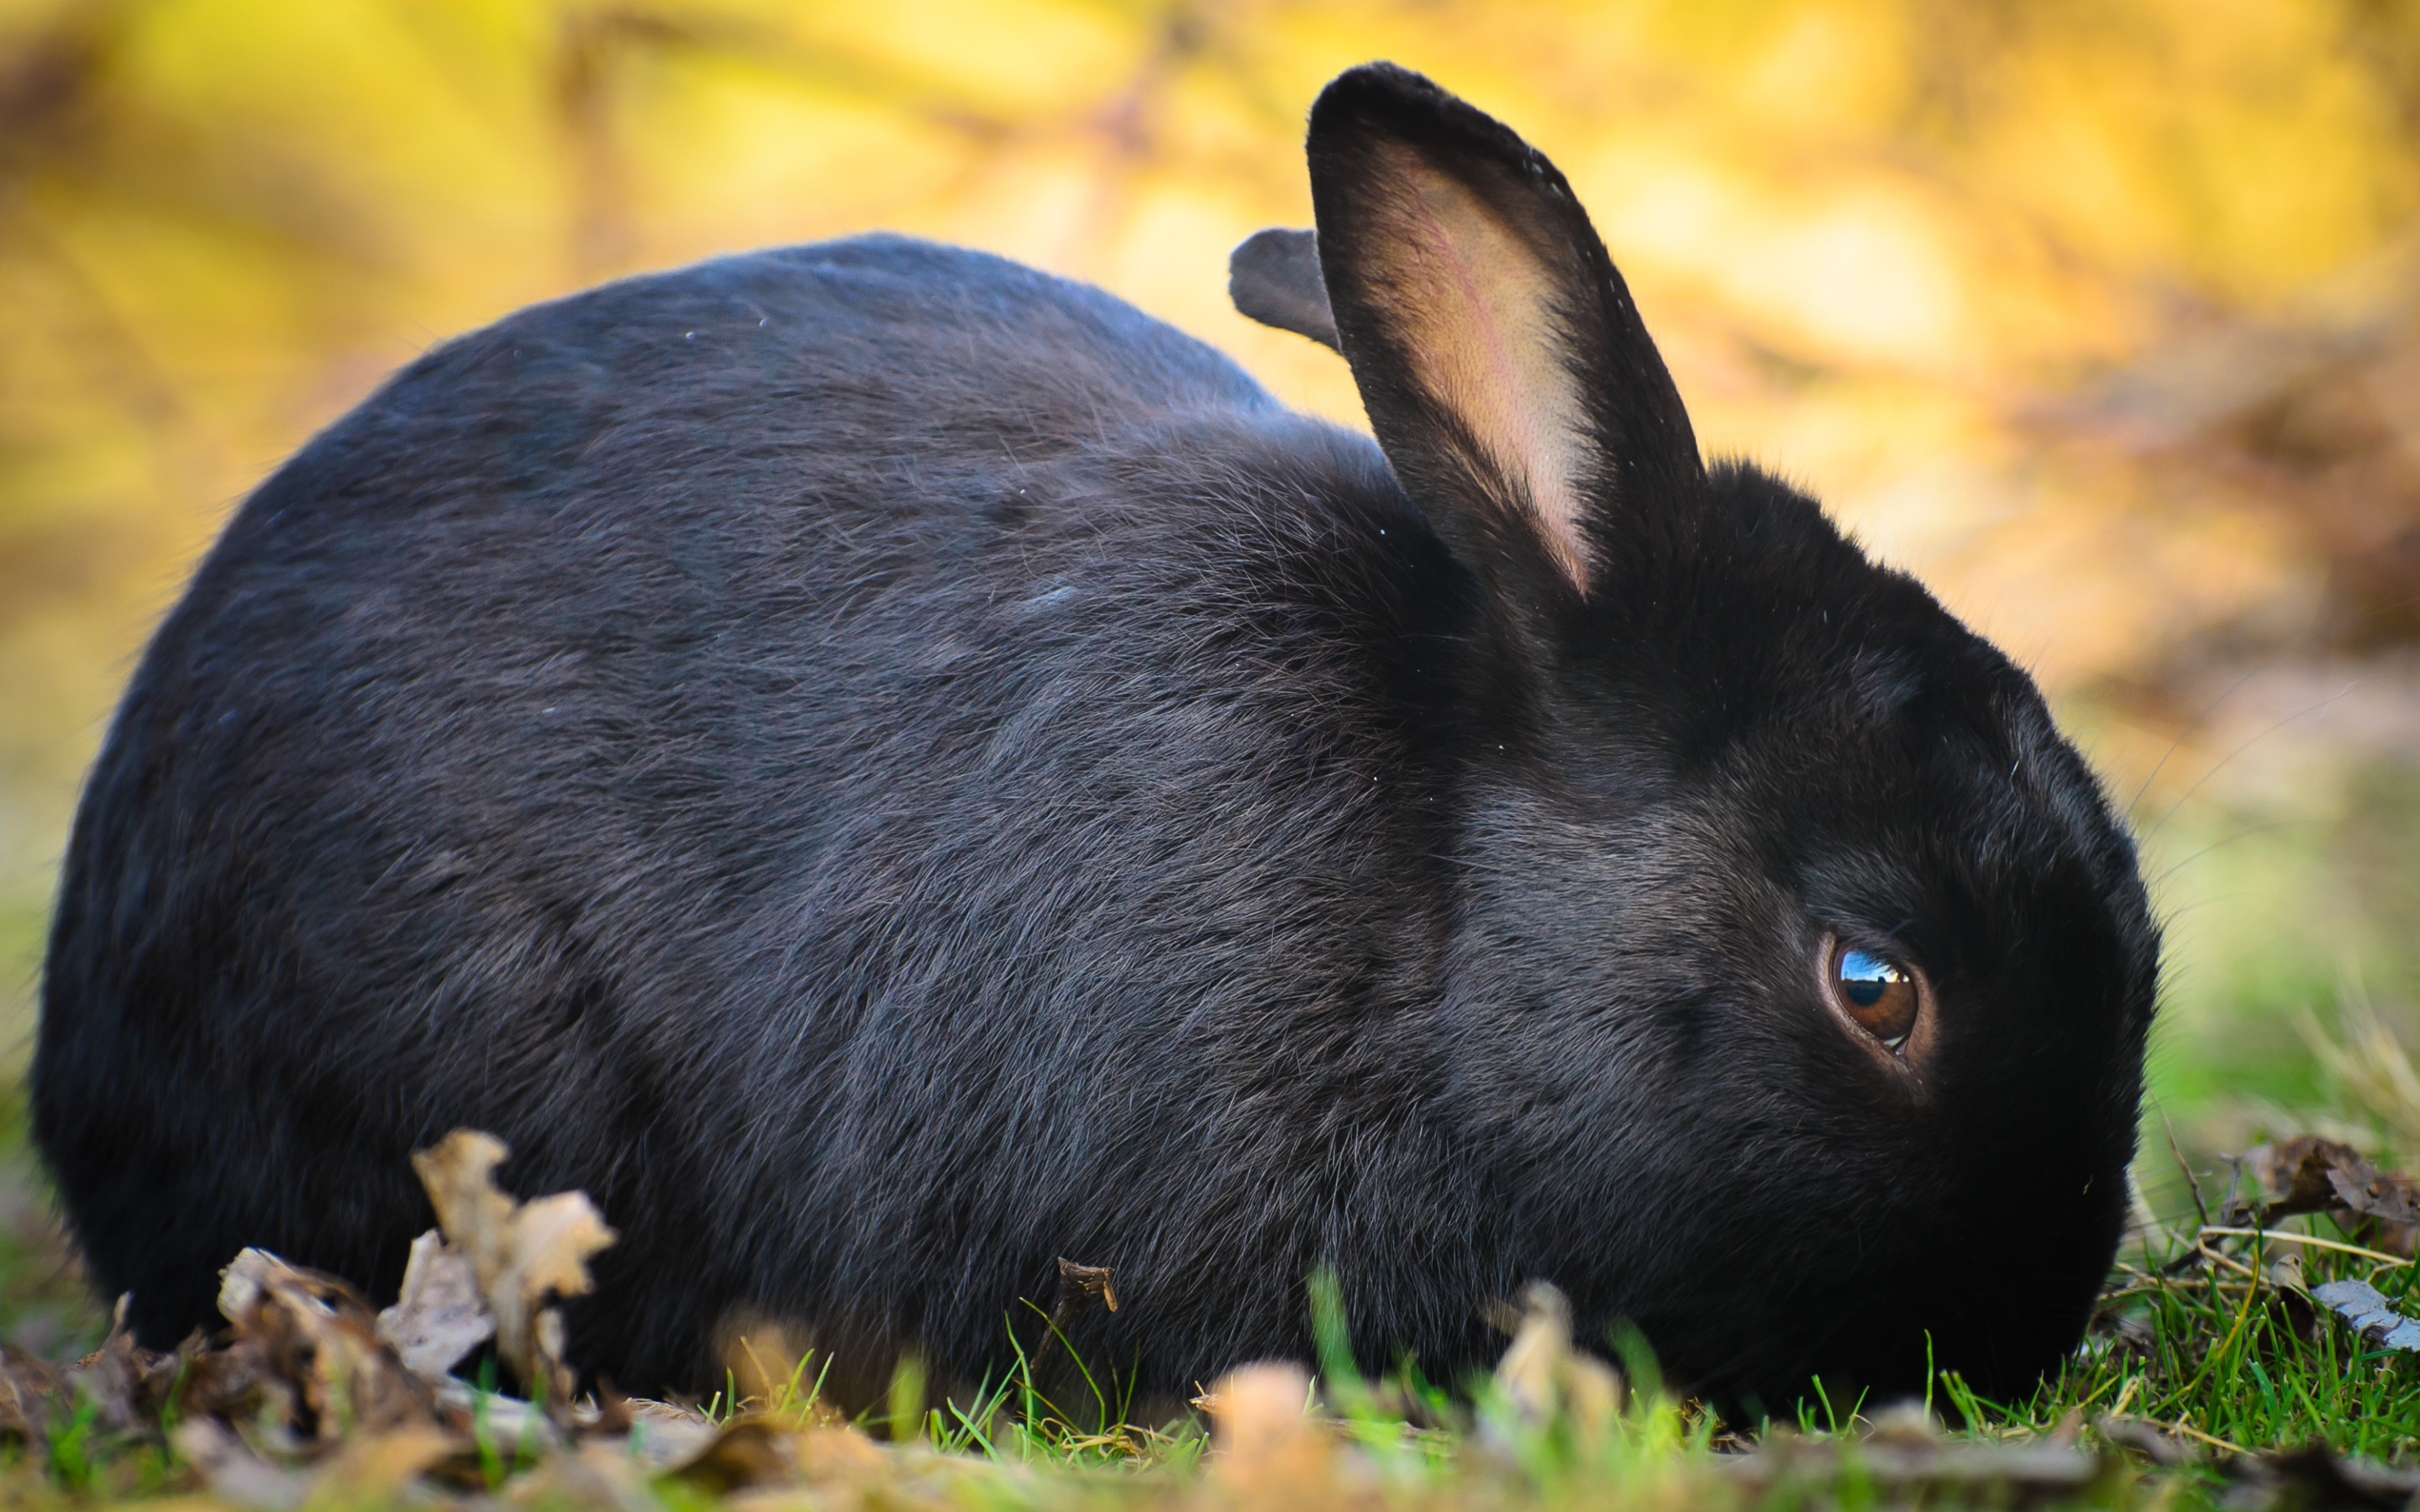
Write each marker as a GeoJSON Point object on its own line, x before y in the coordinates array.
{"type": "Point", "coordinates": [1260, 1431]}
{"type": "Point", "coordinates": [1089, 1281]}
{"type": "Point", "coordinates": [2149, 1439]}
{"type": "Point", "coordinates": [2314, 1477]}
{"type": "Point", "coordinates": [1907, 1425]}
{"type": "Point", "coordinates": [522, 1253]}
{"type": "Point", "coordinates": [2369, 1313]}
{"type": "Point", "coordinates": [598, 1474]}
{"type": "Point", "coordinates": [613, 1414]}
{"type": "Point", "coordinates": [506, 1420]}
{"type": "Point", "coordinates": [2292, 1176]}
{"type": "Point", "coordinates": [30, 1392]}
{"type": "Point", "coordinates": [234, 1472]}
{"type": "Point", "coordinates": [2311, 1477]}
{"type": "Point", "coordinates": [1542, 1377]}
{"type": "Point", "coordinates": [1957, 1469]}
{"type": "Point", "coordinates": [1079, 1285]}
{"type": "Point", "coordinates": [439, 1317]}
{"type": "Point", "coordinates": [835, 1450]}
{"type": "Point", "coordinates": [373, 1467]}
{"type": "Point", "coordinates": [768, 1451]}
{"type": "Point", "coordinates": [222, 1382]}
{"type": "Point", "coordinates": [125, 1382]}
{"type": "Point", "coordinates": [318, 1359]}
{"type": "Point", "coordinates": [664, 1437]}
{"type": "Point", "coordinates": [751, 1452]}
{"type": "Point", "coordinates": [2308, 1174]}
{"type": "Point", "coordinates": [2389, 1199]}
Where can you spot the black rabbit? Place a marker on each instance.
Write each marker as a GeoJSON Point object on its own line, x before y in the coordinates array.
{"type": "Point", "coordinates": [888, 769]}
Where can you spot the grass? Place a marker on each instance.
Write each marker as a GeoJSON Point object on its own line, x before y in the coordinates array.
{"type": "Point", "coordinates": [2205, 1339]}
{"type": "Point", "coordinates": [2202, 1340]}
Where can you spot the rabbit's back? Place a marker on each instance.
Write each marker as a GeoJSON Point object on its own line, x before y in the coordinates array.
{"type": "Point", "coordinates": [854, 755]}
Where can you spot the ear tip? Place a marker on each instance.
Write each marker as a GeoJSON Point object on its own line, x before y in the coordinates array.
{"type": "Point", "coordinates": [1383, 78]}
{"type": "Point", "coordinates": [1389, 100]}
{"type": "Point", "coordinates": [1270, 242]}
{"type": "Point", "coordinates": [1384, 90]}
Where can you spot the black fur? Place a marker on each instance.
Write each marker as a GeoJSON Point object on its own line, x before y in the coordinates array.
{"type": "Point", "coordinates": [887, 768]}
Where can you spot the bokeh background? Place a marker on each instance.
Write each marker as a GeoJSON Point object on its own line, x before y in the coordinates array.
{"type": "Point", "coordinates": [2102, 316]}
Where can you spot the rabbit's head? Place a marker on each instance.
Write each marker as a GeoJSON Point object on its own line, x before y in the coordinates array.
{"type": "Point", "coordinates": [1802, 972]}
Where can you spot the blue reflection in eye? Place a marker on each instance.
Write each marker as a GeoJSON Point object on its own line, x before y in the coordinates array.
{"type": "Point", "coordinates": [1864, 977]}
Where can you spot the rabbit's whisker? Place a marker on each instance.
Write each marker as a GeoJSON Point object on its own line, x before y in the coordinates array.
{"type": "Point", "coordinates": [2182, 735]}
{"type": "Point", "coordinates": [2319, 707]}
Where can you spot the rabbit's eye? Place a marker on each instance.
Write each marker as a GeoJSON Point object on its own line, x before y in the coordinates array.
{"type": "Point", "coordinates": [1877, 994]}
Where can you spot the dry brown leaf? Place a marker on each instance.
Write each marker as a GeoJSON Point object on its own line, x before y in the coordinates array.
{"type": "Point", "coordinates": [613, 1414]}
{"type": "Point", "coordinates": [125, 1382]}
{"type": "Point", "coordinates": [522, 1252]}
{"type": "Point", "coordinates": [663, 1436]}
{"type": "Point", "coordinates": [1542, 1375]}
{"type": "Point", "coordinates": [751, 1452]}
{"type": "Point", "coordinates": [599, 1475]}
{"type": "Point", "coordinates": [2149, 1439]}
{"type": "Point", "coordinates": [31, 1393]}
{"type": "Point", "coordinates": [2382, 1207]}
{"type": "Point", "coordinates": [1905, 1426]}
{"type": "Point", "coordinates": [439, 1317]}
{"type": "Point", "coordinates": [509, 1420]}
{"type": "Point", "coordinates": [1951, 1472]}
{"type": "Point", "coordinates": [317, 1358]}
{"type": "Point", "coordinates": [835, 1450]}
{"type": "Point", "coordinates": [2308, 1174]}
{"type": "Point", "coordinates": [2386, 1196]}
{"type": "Point", "coordinates": [770, 1452]}
{"type": "Point", "coordinates": [372, 1467]}
{"type": "Point", "coordinates": [1259, 1427]}
{"type": "Point", "coordinates": [223, 1383]}
{"type": "Point", "coordinates": [2314, 1476]}
{"type": "Point", "coordinates": [2293, 1175]}
{"type": "Point", "coordinates": [234, 1472]}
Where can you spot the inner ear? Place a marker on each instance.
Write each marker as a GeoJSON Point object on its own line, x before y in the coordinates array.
{"type": "Point", "coordinates": [1498, 355]}
{"type": "Point", "coordinates": [1478, 319]}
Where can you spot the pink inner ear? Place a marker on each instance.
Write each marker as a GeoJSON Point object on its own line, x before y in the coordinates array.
{"type": "Point", "coordinates": [1474, 303]}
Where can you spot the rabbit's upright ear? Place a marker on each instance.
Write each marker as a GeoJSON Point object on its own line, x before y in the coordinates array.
{"type": "Point", "coordinates": [1504, 368]}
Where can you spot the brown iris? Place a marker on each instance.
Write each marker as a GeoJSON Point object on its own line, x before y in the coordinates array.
{"type": "Point", "coordinates": [1878, 993]}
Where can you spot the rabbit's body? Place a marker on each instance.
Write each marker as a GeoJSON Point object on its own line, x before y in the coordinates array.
{"type": "Point", "coordinates": [887, 770]}
{"type": "Point", "coordinates": [867, 841]}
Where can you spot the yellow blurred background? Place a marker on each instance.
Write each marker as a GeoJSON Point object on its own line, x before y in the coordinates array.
{"type": "Point", "coordinates": [2102, 316]}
